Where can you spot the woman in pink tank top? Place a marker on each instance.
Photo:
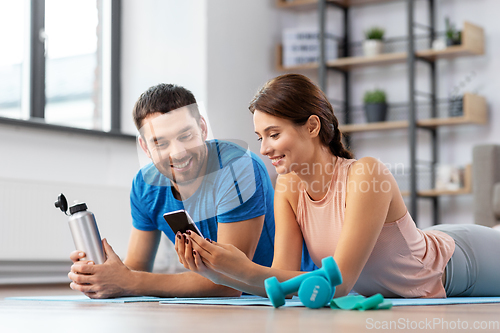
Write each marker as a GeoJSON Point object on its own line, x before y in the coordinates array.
{"type": "Point", "coordinates": [341, 207]}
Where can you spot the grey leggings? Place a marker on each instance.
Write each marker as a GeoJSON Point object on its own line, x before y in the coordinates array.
{"type": "Point", "coordinates": [474, 268]}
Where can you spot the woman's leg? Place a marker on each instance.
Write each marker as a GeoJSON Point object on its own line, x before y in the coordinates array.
{"type": "Point", "coordinates": [474, 268]}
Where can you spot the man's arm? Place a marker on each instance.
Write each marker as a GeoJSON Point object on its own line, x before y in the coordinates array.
{"type": "Point", "coordinates": [244, 235]}
{"type": "Point", "coordinates": [142, 248]}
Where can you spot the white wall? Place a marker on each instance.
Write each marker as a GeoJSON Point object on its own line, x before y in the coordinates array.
{"type": "Point", "coordinates": [241, 36]}
{"type": "Point", "coordinates": [164, 41]}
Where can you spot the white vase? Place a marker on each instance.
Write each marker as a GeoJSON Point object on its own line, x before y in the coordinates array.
{"type": "Point", "coordinates": [372, 47]}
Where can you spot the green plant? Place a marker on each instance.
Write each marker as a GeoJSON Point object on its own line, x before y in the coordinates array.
{"type": "Point", "coordinates": [451, 33]}
{"type": "Point", "coordinates": [374, 97]}
{"type": "Point", "coordinates": [375, 33]}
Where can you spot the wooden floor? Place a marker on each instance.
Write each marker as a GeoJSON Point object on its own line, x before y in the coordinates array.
{"type": "Point", "coordinates": [31, 316]}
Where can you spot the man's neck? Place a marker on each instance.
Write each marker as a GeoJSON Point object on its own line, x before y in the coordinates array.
{"type": "Point", "coordinates": [184, 191]}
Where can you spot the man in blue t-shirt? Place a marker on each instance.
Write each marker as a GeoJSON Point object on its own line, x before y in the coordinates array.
{"type": "Point", "coordinates": [225, 189]}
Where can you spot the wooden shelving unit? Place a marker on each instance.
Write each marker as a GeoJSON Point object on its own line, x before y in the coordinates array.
{"type": "Point", "coordinates": [472, 44]}
{"type": "Point", "coordinates": [475, 112]}
{"type": "Point", "coordinates": [466, 189]}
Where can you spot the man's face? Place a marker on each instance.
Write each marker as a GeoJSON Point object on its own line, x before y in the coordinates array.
{"type": "Point", "coordinates": [175, 142]}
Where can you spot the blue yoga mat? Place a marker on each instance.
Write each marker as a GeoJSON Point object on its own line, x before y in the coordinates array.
{"type": "Point", "coordinates": [83, 298]}
{"type": "Point", "coordinates": [238, 301]}
{"type": "Point", "coordinates": [294, 302]}
{"type": "Point", "coordinates": [442, 301]}
{"type": "Point", "coordinates": [251, 300]}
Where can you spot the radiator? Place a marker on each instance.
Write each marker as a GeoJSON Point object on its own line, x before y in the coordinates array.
{"type": "Point", "coordinates": [35, 240]}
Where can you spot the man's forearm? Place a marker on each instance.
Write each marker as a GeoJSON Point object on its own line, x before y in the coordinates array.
{"type": "Point", "coordinates": [187, 284]}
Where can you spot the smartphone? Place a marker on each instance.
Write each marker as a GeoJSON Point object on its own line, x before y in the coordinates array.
{"type": "Point", "coordinates": [180, 220]}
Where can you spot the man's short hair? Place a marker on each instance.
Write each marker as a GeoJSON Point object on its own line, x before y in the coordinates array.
{"type": "Point", "coordinates": [162, 98]}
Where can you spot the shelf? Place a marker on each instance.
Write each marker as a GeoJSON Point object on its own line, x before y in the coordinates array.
{"type": "Point", "coordinates": [356, 62]}
{"type": "Point", "coordinates": [343, 3]}
{"type": "Point", "coordinates": [343, 63]}
{"type": "Point", "coordinates": [467, 189]}
{"type": "Point", "coordinates": [368, 127]}
{"type": "Point", "coordinates": [472, 44]}
{"type": "Point", "coordinates": [475, 112]}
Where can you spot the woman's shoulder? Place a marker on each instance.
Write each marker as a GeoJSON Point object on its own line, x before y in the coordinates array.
{"type": "Point", "coordinates": [288, 187]}
{"type": "Point", "coordinates": [368, 168]}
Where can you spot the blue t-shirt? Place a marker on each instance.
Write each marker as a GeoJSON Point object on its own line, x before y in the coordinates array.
{"type": "Point", "coordinates": [236, 187]}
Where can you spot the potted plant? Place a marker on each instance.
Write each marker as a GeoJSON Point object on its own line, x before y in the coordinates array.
{"type": "Point", "coordinates": [375, 106]}
{"type": "Point", "coordinates": [453, 36]}
{"type": "Point", "coordinates": [373, 45]}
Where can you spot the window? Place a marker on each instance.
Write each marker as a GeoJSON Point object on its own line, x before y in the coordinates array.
{"type": "Point", "coordinates": [62, 64]}
{"type": "Point", "coordinates": [12, 30]}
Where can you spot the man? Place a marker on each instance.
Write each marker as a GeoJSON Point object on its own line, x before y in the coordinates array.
{"type": "Point", "coordinates": [225, 188]}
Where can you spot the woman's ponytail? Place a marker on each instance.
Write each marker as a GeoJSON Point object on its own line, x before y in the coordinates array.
{"type": "Point", "coordinates": [337, 147]}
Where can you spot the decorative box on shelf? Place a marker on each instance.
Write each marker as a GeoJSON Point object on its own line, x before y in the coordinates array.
{"type": "Point", "coordinates": [301, 46]}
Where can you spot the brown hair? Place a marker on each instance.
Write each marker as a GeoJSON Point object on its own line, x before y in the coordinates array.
{"type": "Point", "coordinates": [296, 98]}
{"type": "Point", "coordinates": [162, 98]}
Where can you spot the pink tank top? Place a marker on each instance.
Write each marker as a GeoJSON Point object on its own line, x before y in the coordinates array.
{"type": "Point", "coordinates": [405, 262]}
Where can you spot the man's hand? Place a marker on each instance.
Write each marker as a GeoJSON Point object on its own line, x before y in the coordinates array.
{"type": "Point", "coordinates": [111, 279]}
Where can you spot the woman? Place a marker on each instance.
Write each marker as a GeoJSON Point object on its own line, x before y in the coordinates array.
{"type": "Point", "coordinates": [345, 208]}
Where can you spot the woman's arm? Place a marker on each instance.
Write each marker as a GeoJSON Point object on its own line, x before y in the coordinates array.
{"type": "Point", "coordinates": [288, 236]}
{"type": "Point", "coordinates": [225, 264]}
{"type": "Point", "coordinates": [371, 189]}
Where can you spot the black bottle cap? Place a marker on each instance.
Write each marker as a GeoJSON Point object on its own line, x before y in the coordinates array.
{"type": "Point", "coordinates": [77, 208]}
{"type": "Point", "coordinates": [62, 203]}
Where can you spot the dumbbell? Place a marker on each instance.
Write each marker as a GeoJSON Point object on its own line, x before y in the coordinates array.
{"type": "Point", "coordinates": [316, 288]}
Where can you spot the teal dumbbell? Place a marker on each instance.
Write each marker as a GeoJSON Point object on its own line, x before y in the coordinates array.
{"type": "Point", "coordinates": [313, 292]}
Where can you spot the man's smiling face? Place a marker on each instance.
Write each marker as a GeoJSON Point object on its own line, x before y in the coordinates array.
{"type": "Point", "coordinates": [175, 142]}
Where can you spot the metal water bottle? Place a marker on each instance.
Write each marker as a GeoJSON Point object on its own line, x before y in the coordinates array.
{"type": "Point", "coordinates": [83, 229]}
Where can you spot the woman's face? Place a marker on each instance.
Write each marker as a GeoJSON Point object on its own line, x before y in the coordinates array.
{"type": "Point", "coordinates": [282, 141]}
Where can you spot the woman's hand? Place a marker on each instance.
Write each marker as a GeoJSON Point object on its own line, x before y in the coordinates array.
{"type": "Point", "coordinates": [215, 261]}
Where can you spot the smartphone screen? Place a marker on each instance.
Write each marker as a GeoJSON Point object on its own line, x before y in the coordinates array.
{"type": "Point", "coordinates": [180, 220]}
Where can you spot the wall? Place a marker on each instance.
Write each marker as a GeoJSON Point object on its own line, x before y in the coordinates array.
{"type": "Point", "coordinates": [164, 41]}
{"type": "Point", "coordinates": [241, 43]}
